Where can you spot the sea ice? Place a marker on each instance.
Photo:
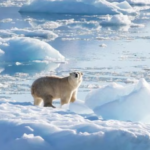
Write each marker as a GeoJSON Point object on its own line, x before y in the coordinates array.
{"type": "Point", "coordinates": [124, 5]}
{"type": "Point", "coordinates": [103, 45]}
{"type": "Point", "coordinates": [117, 20]}
{"type": "Point", "coordinates": [139, 2]}
{"type": "Point", "coordinates": [45, 34]}
{"type": "Point", "coordinates": [102, 7]}
{"type": "Point", "coordinates": [133, 2]}
{"type": "Point", "coordinates": [6, 20]}
{"type": "Point", "coordinates": [6, 33]}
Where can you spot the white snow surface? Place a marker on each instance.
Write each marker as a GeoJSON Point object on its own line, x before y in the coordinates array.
{"type": "Point", "coordinates": [102, 7]}
{"type": "Point", "coordinates": [121, 102]}
{"type": "Point", "coordinates": [24, 126]}
{"type": "Point", "coordinates": [28, 49]}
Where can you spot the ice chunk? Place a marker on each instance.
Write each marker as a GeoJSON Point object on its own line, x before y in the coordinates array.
{"type": "Point", "coordinates": [35, 33]}
{"type": "Point", "coordinates": [29, 49]}
{"type": "Point", "coordinates": [124, 5]}
{"type": "Point", "coordinates": [117, 20]}
{"type": "Point", "coordinates": [103, 45]}
{"type": "Point", "coordinates": [106, 94]}
{"type": "Point", "coordinates": [122, 102]}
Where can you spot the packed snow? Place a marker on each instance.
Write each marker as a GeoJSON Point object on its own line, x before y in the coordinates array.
{"type": "Point", "coordinates": [29, 49]}
{"type": "Point", "coordinates": [23, 126]}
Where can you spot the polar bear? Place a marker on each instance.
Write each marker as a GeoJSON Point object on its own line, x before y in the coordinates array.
{"type": "Point", "coordinates": [52, 87]}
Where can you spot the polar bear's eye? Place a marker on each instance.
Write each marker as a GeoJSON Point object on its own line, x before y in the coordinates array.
{"type": "Point", "coordinates": [76, 75]}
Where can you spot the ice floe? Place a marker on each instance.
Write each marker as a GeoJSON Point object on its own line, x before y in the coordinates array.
{"type": "Point", "coordinates": [38, 33]}
{"type": "Point", "coordinates": [139, 2]}
{"type": "Point", "coordinates": [12, 3]}
{"type": "Point", "coordinates": [35, 33]}
{"type": "Point", "coordinates": [6, 20]}
{"type": "Point", "coordinates": [29, 49]}
{"type": "Point", "coordinates": [102, 7]}
{"type": "Point", "coordinates": [121, 102]}
{"type": "Point", "coordinates": [119, 20]}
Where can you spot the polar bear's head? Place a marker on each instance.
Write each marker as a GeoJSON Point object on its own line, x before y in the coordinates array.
{"type": "Point", "coordinates": [76, 77]}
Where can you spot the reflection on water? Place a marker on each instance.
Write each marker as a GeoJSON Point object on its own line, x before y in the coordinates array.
{"type": "Point", "coordinates": [29, 68]}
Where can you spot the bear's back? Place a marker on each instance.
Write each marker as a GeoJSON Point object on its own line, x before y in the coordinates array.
{"type": "Point", "coordinates": [50, 84]}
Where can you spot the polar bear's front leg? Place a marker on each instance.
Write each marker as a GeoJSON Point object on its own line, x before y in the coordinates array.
{"type": "Point", "coordinates": [65, 99]}
{"type": "Point", "coordinates": [74, 96]}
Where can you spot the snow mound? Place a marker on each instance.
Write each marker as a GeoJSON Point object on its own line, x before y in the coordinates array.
{"type": "Point", "coordinates": [121, 102]}
{"type": "Point", "coordinates": [28, 49]}
{"type": "Point", "coordinates": [78, 107]}
{"type": "Point", "coordinates": [23, 126]}
{"type": "Point", "coordinates": [102, 7]}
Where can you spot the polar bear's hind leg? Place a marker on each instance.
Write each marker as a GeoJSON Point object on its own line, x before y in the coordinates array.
{"type": "Point", "coordinates": [48, 101]}
{"type": "Point", "coordinates": [37, 101]}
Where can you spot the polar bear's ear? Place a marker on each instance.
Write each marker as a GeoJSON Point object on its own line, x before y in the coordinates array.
{"type": "Point", "coordinates": [81, 73]}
